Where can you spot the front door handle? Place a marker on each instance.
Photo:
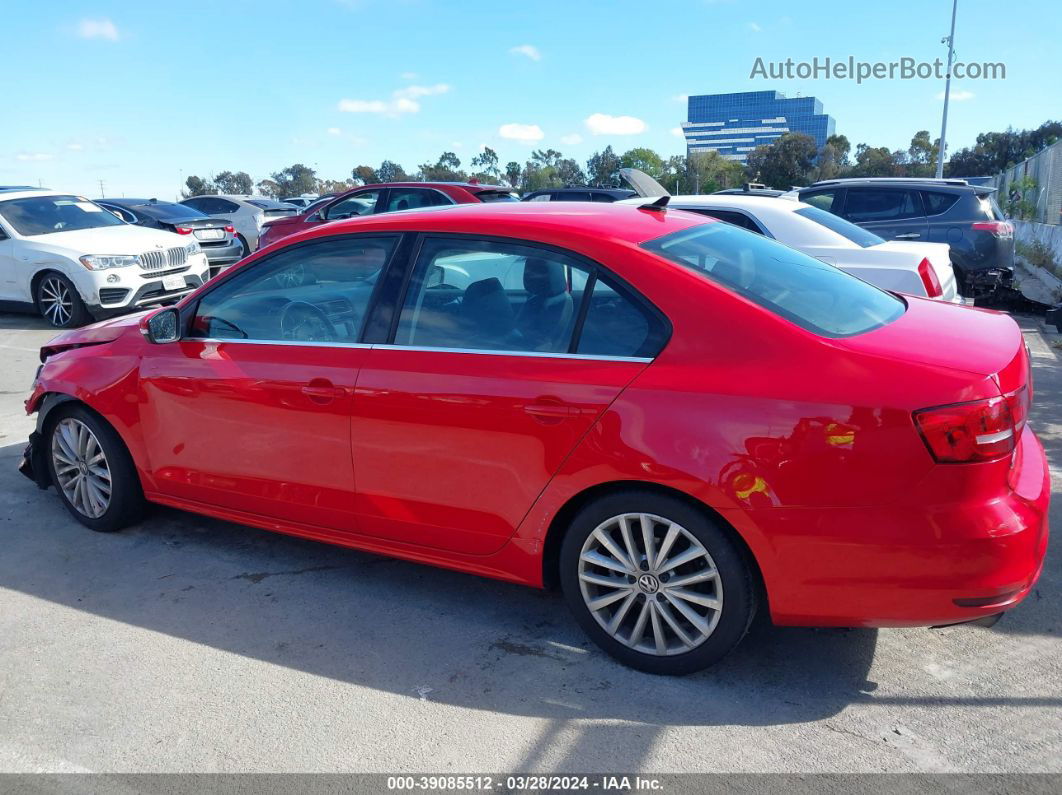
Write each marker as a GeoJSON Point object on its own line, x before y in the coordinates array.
{"type": "Point", "coordinates": [321, 391]}
{"type": "Point", "coordinates": [908, 236]}
{"type": "Point", "coordinates": [548, 411]}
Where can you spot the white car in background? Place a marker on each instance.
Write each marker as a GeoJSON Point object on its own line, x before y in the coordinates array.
{"type": "Point", "coordinates": [247, 214]}
{"type": "Point", "coordinates": [905, 267]}
{"type": "Point", "coordinates": [71, 260]}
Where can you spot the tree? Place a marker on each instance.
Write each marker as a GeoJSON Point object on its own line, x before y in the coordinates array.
{"type": "Point", "coordinates": [295, 180]}
{"type": "Point", "coordinates": [922, 155]}
{"type": "Point", "coordinates": [487, 163]}
{"type": "Point", "coordinates": [841, 146]}
{"type": "Point", "coordinates": [268, 187]}
{"type": "Point", "coordinates": [237, 183]}
{"type": "Point", "coordinates": [997, 151]}
{"type": "Point", "coordinates": [602, 169]}
{"type": "Point", "coordinates": [389, 171]}
{"type": "Point", "coordinates": [366, 175]}
{"type": "Point", "coordinates": [197, 186]}
{"type": "Point", "coordinates": [333, 186]}
{"type": "Point", "coordinates": [512, 173]}
{"type": "Point", "coordinates": [446, 169]}
{"type": "Point", "coordinates": [569, 173]}
{"type": "Point", "coordinates": [783, 163]}
{"type": "Point", "coordinates": [875, 161]}
{"type": "Point", "coordinates": [645, 160]}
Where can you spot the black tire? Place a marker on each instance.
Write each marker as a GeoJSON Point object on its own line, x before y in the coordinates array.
{"type": "Point", "coordinates": [246, 252]}
{"type": "Point", "coordinates": [735, 581]}
{"type": "Point", "coordinates": [126, 500]}
{"type": "Point", "coordinates": [59, 302]}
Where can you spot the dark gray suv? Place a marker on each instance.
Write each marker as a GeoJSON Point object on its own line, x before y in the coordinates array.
{"type": "Point", "coordinates": [940, 211]}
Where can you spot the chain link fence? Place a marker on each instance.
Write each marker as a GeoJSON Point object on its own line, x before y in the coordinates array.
{"type": "Point", "coordinates": [1032, 190]}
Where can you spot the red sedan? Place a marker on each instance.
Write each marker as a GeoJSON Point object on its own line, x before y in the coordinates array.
{"type": "Point", "coordinates": [678, 421]}
{"type": "Point", "coordinates": [385, 198]}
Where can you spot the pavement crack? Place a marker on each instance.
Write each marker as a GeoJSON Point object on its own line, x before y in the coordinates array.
{"type": "Point", "coordinates": [850, 733]}
{"type": "Point", "coordinates": [257, 577]}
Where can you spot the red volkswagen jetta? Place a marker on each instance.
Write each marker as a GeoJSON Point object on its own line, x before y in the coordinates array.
{"type": "Point", "coordinates": [678, 421]}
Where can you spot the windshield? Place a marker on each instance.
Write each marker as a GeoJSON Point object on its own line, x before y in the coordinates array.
{"type": "Point", "coordinates": [857, 234]}
{"type": "Point", "coordinates": [265, 204]}
{"type": "Point", "coordinates": [43, 215]}
{"type": "Point", "coordinates": [805, 291]}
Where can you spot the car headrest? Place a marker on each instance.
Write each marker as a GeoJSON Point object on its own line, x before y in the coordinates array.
{"type": "Point", "coordinates": [544, 277]}
{"type": "Point", "coordinates": [487, 306]}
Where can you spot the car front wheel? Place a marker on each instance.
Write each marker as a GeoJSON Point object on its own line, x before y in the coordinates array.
{"type": "Point", "coordinates": [92, 470]}
{"type": "Point", "coordinates": [59, 303]}
{"type": "Point", "coordinates": [656, 583]}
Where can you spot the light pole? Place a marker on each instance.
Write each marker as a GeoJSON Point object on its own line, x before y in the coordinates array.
{"type": "Point", "coordinates": [947, 91]}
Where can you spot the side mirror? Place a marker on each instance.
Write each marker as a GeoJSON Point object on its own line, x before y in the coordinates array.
{"type": "Point", "coordinates": [164, 326]}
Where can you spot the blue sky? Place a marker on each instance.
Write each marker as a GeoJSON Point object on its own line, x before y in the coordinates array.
{"type": "Point", "coordinates": [142, 94]}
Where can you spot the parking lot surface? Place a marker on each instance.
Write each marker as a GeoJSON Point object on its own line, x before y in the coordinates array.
{"type": "Point", "coordinates": [189, 644]}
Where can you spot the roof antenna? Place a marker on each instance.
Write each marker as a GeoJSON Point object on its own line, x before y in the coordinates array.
{"type": "Point", "coordinates": [659, 204]}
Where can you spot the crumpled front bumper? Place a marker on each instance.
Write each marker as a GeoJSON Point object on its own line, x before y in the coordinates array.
{"type": "Point", "coordinates": [33, 465]}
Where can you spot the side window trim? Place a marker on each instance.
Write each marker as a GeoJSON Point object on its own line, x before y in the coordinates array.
{"type": "Point", "coordinates": [596, 272]}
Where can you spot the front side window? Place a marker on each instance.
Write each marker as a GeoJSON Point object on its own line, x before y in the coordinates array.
{"type": "Point", "coordinates": [318, 292]}
{"type": "Point", "coordinates": [43, 215]}
{"type": "Point", "coordinates": [542, 197]}
{"type": "Point", "coordinates": [813, 295]}
{"type": "Point", "coordinates": [363, 203]}
{"type": "Point", "coordinates": [865, 205]}
{"type": "Point", "coordinates": [571, 196]}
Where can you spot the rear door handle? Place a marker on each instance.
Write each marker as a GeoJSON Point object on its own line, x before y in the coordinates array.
{"type": "Point", "coordinates": [908, 236]}
{"type": "Point", "coordinates": [321, 391]}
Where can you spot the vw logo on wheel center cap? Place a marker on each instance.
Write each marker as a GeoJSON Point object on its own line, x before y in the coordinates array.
{"type": "Point", "coordinates": [647, 583]}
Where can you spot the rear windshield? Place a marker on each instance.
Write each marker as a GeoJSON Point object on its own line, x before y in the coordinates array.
{"type": "Point", "coordinates": [857, 234]}
{"type": "Point", "coordinates": [805, 291]}
{"type": "Point", "coordinates": [496, 196]}
{"type": "Point", "coordinates": [42, 215]}
{"type": "Point", "coordinates": [265, 204]}
{"type": "Point", "coordinates": [168, 210]}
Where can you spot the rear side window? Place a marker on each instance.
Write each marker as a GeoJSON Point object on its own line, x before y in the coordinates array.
{"type": "Point", "coordinates": [571, 196]}
{"type": "Point", "coordinates": [823, 200]}
{"type": "Point", "coordinates": [805, 291]}
{"type": "Point", "coordinates": [731, 217]}
{"type": "Point", "coordinates": [846, 229]}
{"type": "Point", "coordinates": [868, 204]}
{"type": "Point", "coordinates": [496, 196]}
{"type": "Point", "coordinates": [937, 203]}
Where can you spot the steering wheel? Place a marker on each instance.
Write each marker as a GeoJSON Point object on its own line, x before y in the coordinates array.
{"type": "Point", "coordinates": [303, 322]}
{"type": "Point", "coordinates": [295, 276]}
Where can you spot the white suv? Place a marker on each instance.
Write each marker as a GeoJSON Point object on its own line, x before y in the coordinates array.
{"type": "Point", "coordinates": [72, 260]}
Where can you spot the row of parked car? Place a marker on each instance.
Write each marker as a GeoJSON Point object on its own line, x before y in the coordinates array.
{"type": "Point", "coordinates": [73, 259]}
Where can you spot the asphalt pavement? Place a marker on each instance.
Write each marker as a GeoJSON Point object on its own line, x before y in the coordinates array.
{"type": "Point", "coordinates": [189, 644]}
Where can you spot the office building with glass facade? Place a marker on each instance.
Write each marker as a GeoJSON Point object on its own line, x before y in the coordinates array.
{"type": "Point", "coordinates": [735, 124]}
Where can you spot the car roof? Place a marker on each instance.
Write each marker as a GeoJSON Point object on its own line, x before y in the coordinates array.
{"type": "Point", "coordinates": [897, 182]}
{"type": "Point", "coordinates": [534, 221]}
{"type": "Point", "coordinates": [39, 192]}
{"type": "Point", "coordinates": [127, 202]}
{"type": "Point", "coordinates": [577, 189]}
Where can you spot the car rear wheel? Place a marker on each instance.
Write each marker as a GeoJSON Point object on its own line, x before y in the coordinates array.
{"type": "Point", "coordinates": [245, 250]}
{"type": "Point", "coordinates": [656, 583]}
{"type": "Point", "coordinates": [92, 470]}
{"type": "Point", "coordinates": [59, 303]}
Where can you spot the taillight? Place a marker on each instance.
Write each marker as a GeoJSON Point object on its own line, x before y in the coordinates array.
{"type": "Point", "coordinates": [997, 228]}
{"type": "Point", "coordinates": [230, 229]}
{"type": "Point", "coordinates": [929, 279]}
{"type": "Point", "coordinates": [982, 430]}
{"type": "Point", "coordinates": [182, 230]}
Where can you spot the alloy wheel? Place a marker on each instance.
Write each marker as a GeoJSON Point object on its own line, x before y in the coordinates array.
{"type": "Point", "coordinates": [650, 584]}
{"type": "Point", "coordinates": [81, 467]}
{"type": "Point", "coordinates": [57, 303]}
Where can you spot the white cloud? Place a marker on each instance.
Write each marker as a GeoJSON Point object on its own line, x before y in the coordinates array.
{"type": "Point", "coordinates": [754, 27]}
{"type": "Point", "coordinates": [403, 100]}
{"type": "Point", "coordinates": [34, 156]}
{"type": "Point", "coordinates": [524, 133]}
{"type": "Point", "coordinates": [681, 97]}
{"type": "Point", "coordinates": [75, 146]}
{"type": "Point", "coordinates": [603, 124]}
{"type": "Point", "coordinates": [571, 140]}
{"type": "Point", "coordinates": [958, 96]}
{"type": "Point", "coordinates": [528, 50]}
{"type": "Point", "coordinates": [97, 29]}
{"type": "Point", "coordinates": [677, 132]}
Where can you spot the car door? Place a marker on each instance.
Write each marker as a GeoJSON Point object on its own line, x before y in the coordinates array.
{"type": "Point", "coordinates": [250, 411]}
{"type": "Point", "coordinates": [891, 213]}
{"type": "Point", "coordinates": [501, 356]}
{"type": "Point", "coordinates": [9, 270]}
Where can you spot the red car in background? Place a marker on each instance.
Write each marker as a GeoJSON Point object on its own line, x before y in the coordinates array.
{"type": "Point", "coordinates": [384, 198]}
{"type": "Point", "coordinates": [678, 421]}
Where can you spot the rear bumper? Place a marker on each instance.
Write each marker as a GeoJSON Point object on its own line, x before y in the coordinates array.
{"type": "Point", "coordinates": [941, 564]}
